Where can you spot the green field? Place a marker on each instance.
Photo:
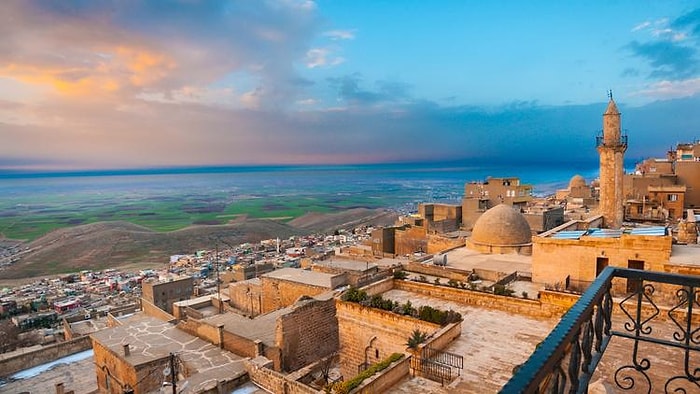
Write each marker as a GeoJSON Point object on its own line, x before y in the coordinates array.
{"type": "Point", "coordinates": [30, 218]}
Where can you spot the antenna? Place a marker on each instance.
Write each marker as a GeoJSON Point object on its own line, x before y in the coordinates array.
{"type": "Point", "coordinates": [610, 94]}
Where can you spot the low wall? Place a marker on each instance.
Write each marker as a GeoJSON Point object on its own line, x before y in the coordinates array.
{"type": "Point", "coordinates": [444, 337]}
{"type": "Point", "coordinates": [151, 310]}
{"type": "Point", "coordinates": [43, 355]}
{"type": "Point", "coordinates": [272, 381]}
{"type": "Point", "coordinates": [437, 270]}
{"type": "Point", "coordinates": [382, 381]}
{"type": "Point", "coordinates": [379, 287]}
{"type": "Point", "coordinates": [520, 306]}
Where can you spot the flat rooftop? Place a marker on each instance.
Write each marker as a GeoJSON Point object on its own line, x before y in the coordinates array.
{"type": "Point", "coordinates": [260, 328]}
{"type": "Point", "coordinates": [467, 259]}
{"type": "Point", "coordinates": [685, 255]}
{"type": "Point", "coordinates": [151, 339]}
{"type": "Point", "coordinates": [347, 264]}
{"type": "Point", "coordinates": [302, 276]}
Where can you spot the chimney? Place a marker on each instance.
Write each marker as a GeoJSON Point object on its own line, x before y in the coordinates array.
{"type": "Point", "coordinates": [126, 350]}
{"type": "Point", "coordinates": [59, 388]}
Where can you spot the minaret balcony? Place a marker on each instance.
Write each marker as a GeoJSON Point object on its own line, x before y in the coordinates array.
{"type": "Point", "coordinates": [600, 142]}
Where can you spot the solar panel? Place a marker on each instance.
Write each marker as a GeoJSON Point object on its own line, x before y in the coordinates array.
{"type": "Point", "coordinates": [568, 234]}
{"type": "Point", "coordinates": [605, 233]}
{"type": "Point", "coordinates": [654, 231]}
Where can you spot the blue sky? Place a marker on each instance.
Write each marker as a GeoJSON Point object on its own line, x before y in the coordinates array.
{"type": "Point", "coordinates": [120, 84]}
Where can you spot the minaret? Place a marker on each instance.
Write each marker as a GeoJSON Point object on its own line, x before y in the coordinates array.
{"type": "Point", "coordinates": [611, 148]}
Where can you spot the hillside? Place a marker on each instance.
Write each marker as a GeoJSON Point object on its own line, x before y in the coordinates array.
{"type": "Point", "coordinates": [103, 245]}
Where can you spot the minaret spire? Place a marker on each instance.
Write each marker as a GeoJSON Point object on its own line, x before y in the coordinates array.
{"type": "Point", "coordinates": [611, 148]}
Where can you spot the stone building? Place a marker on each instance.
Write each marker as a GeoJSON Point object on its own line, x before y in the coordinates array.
{"type": "Point", "coordinates": [144, 354]}
{"type": "Point", "coordinates": [578, 193]}
{"type": "Point", "coordinates": [281, 288]}
{"type": "Point", "coordinates": [292, 337]}
{"type": "Point", "coordinates": [441, 218]}
{"type": "Point", "coordinates": [501, 230]}
{"type": "Point", "coordinates": [480, 196]}
{"type": "Point", "coordinates": [163, 294]}
{"type": "Point", "coordinates": [687, 169]}
{"type": "Point", "coordinates": [578, 252]}
{"type": "Point", "coordinates": [611, 148]}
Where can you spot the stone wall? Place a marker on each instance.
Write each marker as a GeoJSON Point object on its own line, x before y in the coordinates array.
{"type": "Point", "coordinates": [379, 287]}
{"type": "Point", "coordinates": [151, 310]}
{"type": "Point", "coordinates": [410, 239]}
{"type": "Point", "coordinates": [260, 372]}
{"type": "Point", "coordinates": [370, 335]}
{"type": "Point", "coordinates": [277, 294]}
{"type": "Point", "coordinates": [385, 379]}
{"type": "Point", "coordinates": [246, 297]}
{"type": "Point", "coordinates": [520, 306]}
{"type": "Point", "coordinates": [580, 255]}
{"type": "Point", "coordinates": [439, 243]}
{"type": "Point", "coordinates": [19, 362]}
{"type": "Point", "coordinates": [308, 333]}
{"type": "Point", "coordinates": [436, 270]}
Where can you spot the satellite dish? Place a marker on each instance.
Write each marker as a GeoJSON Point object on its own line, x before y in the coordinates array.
{"type": "Point", "coordinates": [166, 371]}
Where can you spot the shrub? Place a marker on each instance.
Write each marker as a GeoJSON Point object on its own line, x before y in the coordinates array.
{"type": "Point", "coordinates": [417, 337]}
{"type": "Point", "coordinates": [407, 309]}
{"type": "Point", "coordinates": [354, 295]}
{"type": "Point", "coordinates": [502, 290]}
{"type": "Point", "coordinates": [400, 275]}
{"type": "Point", "coordinates": [349, 385]}
{"type": "Point", "coordinates": [452, 283]}
{"type": "Point", "coordinates": [422, 278]}
{"type": "Point", "coordinates": [437, 281]}
{"type": "Point", "coordinates": [525, 295]}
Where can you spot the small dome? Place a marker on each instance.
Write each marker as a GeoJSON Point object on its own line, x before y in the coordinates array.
{"type": "Point", "coordinates": [500, 226]}
{"type": "Point", "coordinates": [577, 181]}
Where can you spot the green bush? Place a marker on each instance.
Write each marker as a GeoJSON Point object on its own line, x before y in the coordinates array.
{"type": "Point", "coordinates": [354, 295]}
{"type": "Point", "coordinates": [349, 385]}
{"type": "Point", "coordinates": [400, 275]}
{"type": "Point", "coordinates": [417, 337]}
{"type": "Point", "coordinates": [502, 290]}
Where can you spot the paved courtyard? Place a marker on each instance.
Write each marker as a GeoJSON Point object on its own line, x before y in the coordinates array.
{"type": "Point", "coordinates": [492, 343]}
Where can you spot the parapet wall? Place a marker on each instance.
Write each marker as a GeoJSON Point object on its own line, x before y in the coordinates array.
{"type": "Point", "coordinates": [521, 306]}
{"type": "Point", "coordinates": [11, 365]}
{"type": "Point", "coordinates": [261, 373]}
{"type": "Point", "coordinates": [369, 335]}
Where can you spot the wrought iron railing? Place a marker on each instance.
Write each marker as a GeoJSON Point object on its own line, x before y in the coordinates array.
{"type": "Point", "coordinates": [600, 141]}
{"type": "Point", "coordinates": [567, 359]}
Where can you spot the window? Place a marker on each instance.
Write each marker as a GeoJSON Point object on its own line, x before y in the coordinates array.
{"type": "Point", "coordinates": [672, 197]}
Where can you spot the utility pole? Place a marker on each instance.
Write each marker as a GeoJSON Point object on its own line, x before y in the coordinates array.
{"type": "Point", "coordinates": [218, 281]}
{"type": "Point", "coordinates": [173, 374]}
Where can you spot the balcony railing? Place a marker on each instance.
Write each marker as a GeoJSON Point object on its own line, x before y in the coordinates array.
{"type": "Point", "coordinates": [600, 141]}
{"type": "Point", "coordinates": [567, 359]}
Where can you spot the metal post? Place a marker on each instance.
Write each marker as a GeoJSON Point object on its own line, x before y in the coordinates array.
{"type": "Point", "coordinates": [172, 372]}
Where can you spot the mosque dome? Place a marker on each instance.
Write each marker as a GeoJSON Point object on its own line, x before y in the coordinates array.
{"type": "Point", "coordinates": [577, 181]}
{"type": "Point", "coordinates": [501, 226]}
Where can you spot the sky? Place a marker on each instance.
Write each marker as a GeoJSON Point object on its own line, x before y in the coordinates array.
{"type": "Point", "coordinates": [97, 84]}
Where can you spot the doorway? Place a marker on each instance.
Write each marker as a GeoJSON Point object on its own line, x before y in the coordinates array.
{"type": "Point", "coordinates": [634, 285]}
{"type": "Point", "coordinates": [600, 264]}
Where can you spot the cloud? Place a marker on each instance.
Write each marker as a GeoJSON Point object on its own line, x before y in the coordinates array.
{"type": "Point", "coordinates": [322, 57]}
{"type": "Point", "coordinates": [349, 89]}
{"type": "Point", "coordinates": [667, 59]}
{"type": "Point", "coordinates": [689, 20]}
{"type": "Point", "coordinates": [340, 34]}
{"type": "Point", "coordinates": [130, 48]}
{"type": "Point", "coordinates": [641, 26]}
{"type": "Point", "coordinates": [671, 89]}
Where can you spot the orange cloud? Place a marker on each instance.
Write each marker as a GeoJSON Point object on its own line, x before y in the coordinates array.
{"type": "Point", "coordinates": [116, 69]}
